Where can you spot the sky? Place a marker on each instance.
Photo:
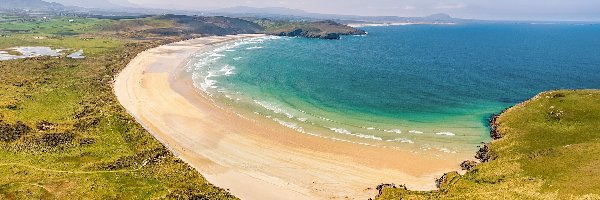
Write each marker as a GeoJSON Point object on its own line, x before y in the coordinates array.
{"type": "Point", "coordinates": [564, 10]}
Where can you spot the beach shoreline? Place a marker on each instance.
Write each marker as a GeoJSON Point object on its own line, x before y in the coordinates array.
{"type": "Point", "coordinates": [254, 158]}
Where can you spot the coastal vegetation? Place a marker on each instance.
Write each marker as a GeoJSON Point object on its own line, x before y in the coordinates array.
{"type": "Point", "coordinates": [62, 132]}
{"type": "Point", "coordinates": [311, 29]}
{"type": "Point", "coordinates": [545, 148]}
{"type": "Point", "coordinates": [64, 135]}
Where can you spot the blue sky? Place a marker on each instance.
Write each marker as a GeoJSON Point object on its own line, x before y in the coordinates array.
{"type": "Point", "coordinates": [479, 9]}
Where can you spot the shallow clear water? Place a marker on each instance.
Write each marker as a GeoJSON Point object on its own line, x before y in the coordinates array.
{"type": "Point", "coordinates": [419, 87]}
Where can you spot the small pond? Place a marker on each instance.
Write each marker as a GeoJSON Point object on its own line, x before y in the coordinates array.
{"type": "Point", "coordinates": [28, 52]}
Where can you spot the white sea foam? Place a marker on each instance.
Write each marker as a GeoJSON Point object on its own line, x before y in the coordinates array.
{"type": "Point", "coordinates": [341, 130]}
{"type": "Point", "coordinates": [302, 119]}
{"type": "Point", "coordinates": [393, 131]}
{"type": "Point", "coordinates": [415, 132]}
{"type": "Point", "coordinates": [205, 60]}
{"type": "Point", "coordinates": [274, 108]}
{"type": "Point", "coordinates": [228, 70]}
{"type": "Point", "coordinates": [445, 133]}
{"type": "Point", "coordinates": [402, 140]}
{"type": "Point", "coordinates": [255, 47]}
{"type": "Point", "coordinates": [445, 150]}
{"type": "Point", "coordinates": [290, 125]}
{"type": "Point", "coordinates": [207, 84]}
{"type": "Point", "coordinates": [214, 54]}
{"type": "Point", "coordinates": [360, 135]}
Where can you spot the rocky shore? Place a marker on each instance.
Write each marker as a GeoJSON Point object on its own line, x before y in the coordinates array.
{"type": "Point", "coordinates": [482, 155]}
{"type": "Point", "coordinates": [328, 29]}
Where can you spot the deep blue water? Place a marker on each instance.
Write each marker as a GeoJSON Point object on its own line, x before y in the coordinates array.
{"type": "Point", "coordinates": [420, 78]}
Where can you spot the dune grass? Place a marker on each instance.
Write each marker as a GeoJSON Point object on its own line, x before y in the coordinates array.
{"type": "Point", "coordinates": [550, 149]}
{"type": "Point", "coordinates": [63, 135]}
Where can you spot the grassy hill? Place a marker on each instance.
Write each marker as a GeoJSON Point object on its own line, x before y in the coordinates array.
{"type": "Point", "coordinates": [547, 148]}
{"type": "Point", "coordinates": [317, 29]}
{"type": "Point", "coordinates": [63, 135]}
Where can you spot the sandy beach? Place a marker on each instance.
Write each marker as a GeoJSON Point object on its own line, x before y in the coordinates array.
{"type": "Point", "coordinates": [254, 158]}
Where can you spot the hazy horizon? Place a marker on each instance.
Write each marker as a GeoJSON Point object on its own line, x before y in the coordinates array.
{"type": "Point", "coordinates": [548, 10]}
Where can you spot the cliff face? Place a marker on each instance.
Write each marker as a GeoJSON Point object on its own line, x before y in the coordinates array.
{"type": "Point", "coordinates": [321, 29]}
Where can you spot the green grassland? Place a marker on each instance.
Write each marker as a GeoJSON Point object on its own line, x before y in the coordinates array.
{"type": "Point", "coordinates": [549, 149]}
{"type": "Point", "coordinates": [60, 26]}
{"type": "Point", "coordinates": [63, 135]}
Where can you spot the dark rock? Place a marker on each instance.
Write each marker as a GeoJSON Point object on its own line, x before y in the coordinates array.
{"type": "Point", "coordinates": [56, 139]}
{"type": "Point", "coordinates": [447, 179]}
{"type": "Point", "coordinates": [468, 165]}
{"type": "Point", "coordinates": [484, 154]}
{"type": "Point", "coordinates": [11, 133]}
{"type": "Point", "coordinates": [494, 132]}
{"type": "Point", "coordinates": [384, 186]}
{"type": "Point", "coordinates": [331, 36]}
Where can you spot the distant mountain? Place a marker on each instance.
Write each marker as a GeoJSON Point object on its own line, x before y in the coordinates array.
{"type": "Point", "coordinates": [266, 11]}
{"type": "Point", "coordinates": [286, 13]}
{"type": "Point", "coordinates": [439, 16]}
{"type": "Point", "coordinates": [102, 4]}
{"type": "Point", "coordinates": [29, 5]}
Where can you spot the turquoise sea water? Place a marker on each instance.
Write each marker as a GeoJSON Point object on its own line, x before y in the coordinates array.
{"type": "Point", "coordinates": [419, 87]}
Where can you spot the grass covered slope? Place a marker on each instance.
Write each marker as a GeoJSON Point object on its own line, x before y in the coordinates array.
{"type": "Point", "coordinates": [320, 29]}
{"type": "Point", "coordinates": [549, 149]}
{"type": "Point", "coordinates": [63, 135]}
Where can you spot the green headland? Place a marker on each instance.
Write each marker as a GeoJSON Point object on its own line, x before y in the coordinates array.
{"type": "Point", "coordinates": [545, 148]}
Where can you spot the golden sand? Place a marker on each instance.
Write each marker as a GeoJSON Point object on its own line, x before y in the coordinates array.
{"type": "Point", "coordinates": [258, 159]}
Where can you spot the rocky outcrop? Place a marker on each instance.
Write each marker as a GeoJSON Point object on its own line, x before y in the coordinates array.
{"type": "Point", "coordinates": [484, 154]}
{"type": "Point", "coordinates": [447, 179]}
{"type": "Point", "coordinates": [309, 34]}
{"type": "Point", "coordinates": [468, 165]}
{"type": "Point", "coordinates": [330, 30]}
{"type": "Point", "coordinates": [494, 133]}
{"type": "Point", "coordinates": [384, 186]}
{"type": "Point", "coordinates": [13, 132]}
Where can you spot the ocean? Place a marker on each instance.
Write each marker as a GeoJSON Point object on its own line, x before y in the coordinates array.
{"type": "Point", "coordinates": [415, 87]}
